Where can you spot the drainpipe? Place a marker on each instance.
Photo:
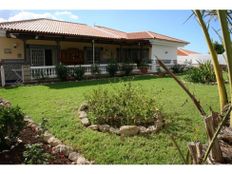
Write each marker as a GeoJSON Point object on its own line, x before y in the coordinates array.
{"type": "Point", "coordinates": [93, 52]}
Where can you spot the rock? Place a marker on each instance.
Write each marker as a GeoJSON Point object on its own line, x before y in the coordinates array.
{"type": "Point", "coordinates": [81, 160]}
{"type": "Point", "coordinates": [129, 130]}
{"type": "Point", "coordinates": [104, 128]}
{"type": "Point", "coordinates": [84, 107]}
{"type": "Point", "coordinates": [93, 127]}
{"type": "Point", "coordinates": [159, 123]}
{"type": "Point", "coordinates": [114, 130]}
{"type": "Point", "coordinates": [85, 121]}
{"type": "Point", "coordinates": [61, 148]}
{"type": "Point", "coordinates": [142, 130]}
{"type": "Point", "coordinates": [28, 120]}
{"type": "Point", "coordinates": [82, 114]}
{"type": "Point", "coordinates": [151, 129]}
{"type": "Point", "coordinates": [54, 141]}
{"type": "Point", "coordinates": [73, 156]}
{"type": "Point", "coordinates": [46, 136]}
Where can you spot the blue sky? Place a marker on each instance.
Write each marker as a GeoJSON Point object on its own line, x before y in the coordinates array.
{"type": "Point", "coordinates": [168, 22]}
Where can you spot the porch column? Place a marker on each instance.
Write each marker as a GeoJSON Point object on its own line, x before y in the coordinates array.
{"type": "Point", "coordinates": [140, 51]}
{"type": "Point", "coordinates": [3, 80]}
{"type": "Point", "coordinates": [93, 46]}
{"type": "Point", "coordinates": [58, 52]}
{"type": "Point", "coordinates": [120, 53]}
{"type": "Point", "coordinates": [26, 57]}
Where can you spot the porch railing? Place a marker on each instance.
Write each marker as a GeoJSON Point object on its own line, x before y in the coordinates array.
{"type": "Point", "coordinates": [39, 72]}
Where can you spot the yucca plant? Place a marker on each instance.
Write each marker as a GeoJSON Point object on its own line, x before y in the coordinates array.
{"type": "Point", "coordinates": [217, 69]}
{"type": "Point", "coordinates": [222, 15]}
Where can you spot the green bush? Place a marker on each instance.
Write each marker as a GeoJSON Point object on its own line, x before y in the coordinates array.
{"type": "Point", "coordinates": [11, 123]}
{"type": "Point", "coordinates": [177, 68]}
{"type": "Point", "coordinates": [124, 105]}
{"type": "Point", "coordinates": [112, 68]}
{"type": "Point", "coordinates": [202, 74]}
{"type": "Point", "coordinates": [79, 73]}
{"type": "Point", "coordinates": [62, 72]}
{"type": "Point", "coordinates": [127, 69]}
{"type": "Point", "coordinates": [95, 69]}
{"type": "Point", "coordinates": [35, 154]}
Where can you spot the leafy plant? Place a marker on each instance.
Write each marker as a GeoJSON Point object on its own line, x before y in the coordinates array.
{"type": "Point", "coordinates": [62, 71]}
{"type": "Point", "coordinates": [79, 73]}
{"type": "Point", "coordinates": [202, 74]}
{"type": "Point", "coordinates": [123, 105]}
{"type": "Point", "coordinates": [177, 68]}
{"type": "Point", "coordinates": [112, 68]}
{"type": "Point", "coordinates": [95, 69]}
{"type": "Point", "coordinates": [11, 123]}
{"type": "Point", "coordinates": [35, 154]}
{"type": "Point", "coordinates": [127, 68]}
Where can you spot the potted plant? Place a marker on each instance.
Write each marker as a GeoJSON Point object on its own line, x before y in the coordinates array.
{"type": "Point", "coordinates": [143, 66]}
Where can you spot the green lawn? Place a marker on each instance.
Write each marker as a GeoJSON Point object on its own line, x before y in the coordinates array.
{"type": "Point", "coordinates": [59, 102]}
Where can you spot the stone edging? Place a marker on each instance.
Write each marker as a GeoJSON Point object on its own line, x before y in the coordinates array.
{"type": "Point", "coordinates": [57, 145]}
{"type": "Point", "coordinates": [126, 130]}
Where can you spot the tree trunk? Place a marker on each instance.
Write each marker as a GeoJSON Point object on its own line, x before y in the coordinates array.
{"type": "Point", "coordinates": [217, 69]}
{"type": "Point", "coordinates": [222, 15]}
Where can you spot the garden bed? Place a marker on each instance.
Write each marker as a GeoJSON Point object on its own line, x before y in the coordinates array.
{"type": "Point", "coordinates": [124, 130]}
{"type": "Point", "coordinates": [30, 136]}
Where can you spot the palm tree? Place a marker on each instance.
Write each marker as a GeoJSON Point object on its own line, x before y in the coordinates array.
{"type": "Point", "coordinates": [217, 69]}
{"type": "Point", "coordinates": [222, 16]}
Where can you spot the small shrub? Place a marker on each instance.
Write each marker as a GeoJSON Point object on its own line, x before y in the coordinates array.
{"type": "Point", "coordinates": [124, 105]}
{"type": "Point", "coordinates": [112, 68]}
{"type": "Point", "coordinates": [177, 68]}
{"type": "Point", "coordinates": [79, 73]}
{"type": "Point", "coordinates": [35, 154]}
{"type": "Point", "coordinates": [11, 123]}
{"type": "Point", "coordinates": [202, 74]}
{"type": "Point", "coordinates": [127, 69]}
{"type": "Point", "coordinates": [95, 69]}
{"type": "Point", "coordinates": [62, 71]}
{"type": "Point", "coordinates": [44, 125]}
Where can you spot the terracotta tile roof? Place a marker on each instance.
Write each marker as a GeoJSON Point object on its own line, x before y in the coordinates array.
{"type": "Point", "coordinates": [50, 26]}
{"type": "Point", "coordinates": [183, 52]}
{"type": "Point", "coordinates": [118, 33]}
{"type": "Point", "coordinates": [142, 35]}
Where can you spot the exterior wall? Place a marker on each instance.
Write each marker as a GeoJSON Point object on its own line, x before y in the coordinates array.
{"type": "Point", "coordinates": [164, 52]}
{"type": "Point", "coordinates": [15, 48]}
{"type": "Point", "coordinates": [41, 42]}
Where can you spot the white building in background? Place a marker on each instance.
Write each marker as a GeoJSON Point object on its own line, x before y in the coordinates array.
{"type": "Point", "coordinates": [190, 58]}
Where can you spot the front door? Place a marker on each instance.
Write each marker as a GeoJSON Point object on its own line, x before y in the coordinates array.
{"type": "Point", "coordinates": [48, 57]}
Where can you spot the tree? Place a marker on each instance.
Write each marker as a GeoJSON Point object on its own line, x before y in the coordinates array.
{"type": "Point", "coordinates": [218, 47]}
{"type": "Point", "coordinates": [217, 69]}
{"type": "Point", "coordinates": [222, 15]}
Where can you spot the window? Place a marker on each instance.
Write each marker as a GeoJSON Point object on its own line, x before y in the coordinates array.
{"type": "Point", "coordinates": [37, 56]}
{"type": "Point", "coordinates": [89, 55]}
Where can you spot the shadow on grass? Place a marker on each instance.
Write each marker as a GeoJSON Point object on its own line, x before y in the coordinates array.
{"type": "Point", "coordinates": [62, 85]}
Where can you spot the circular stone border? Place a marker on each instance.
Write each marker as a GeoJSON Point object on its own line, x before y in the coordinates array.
{"type": "Point", "coordinates": [57, 146]}
{"type": "Point", "coordinates": [125, 130]}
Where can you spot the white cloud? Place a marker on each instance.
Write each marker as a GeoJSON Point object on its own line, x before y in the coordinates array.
{"type": "Point", "coordinates": [66, 13]}
{"type": "Point", "coordinates": [22, 15]}
{"type": "Point", "coordinates": [2, 20]}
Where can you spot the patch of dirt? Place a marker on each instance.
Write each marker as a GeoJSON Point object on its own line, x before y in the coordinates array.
{"type": "Point", "coordinates": [29, 136]}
